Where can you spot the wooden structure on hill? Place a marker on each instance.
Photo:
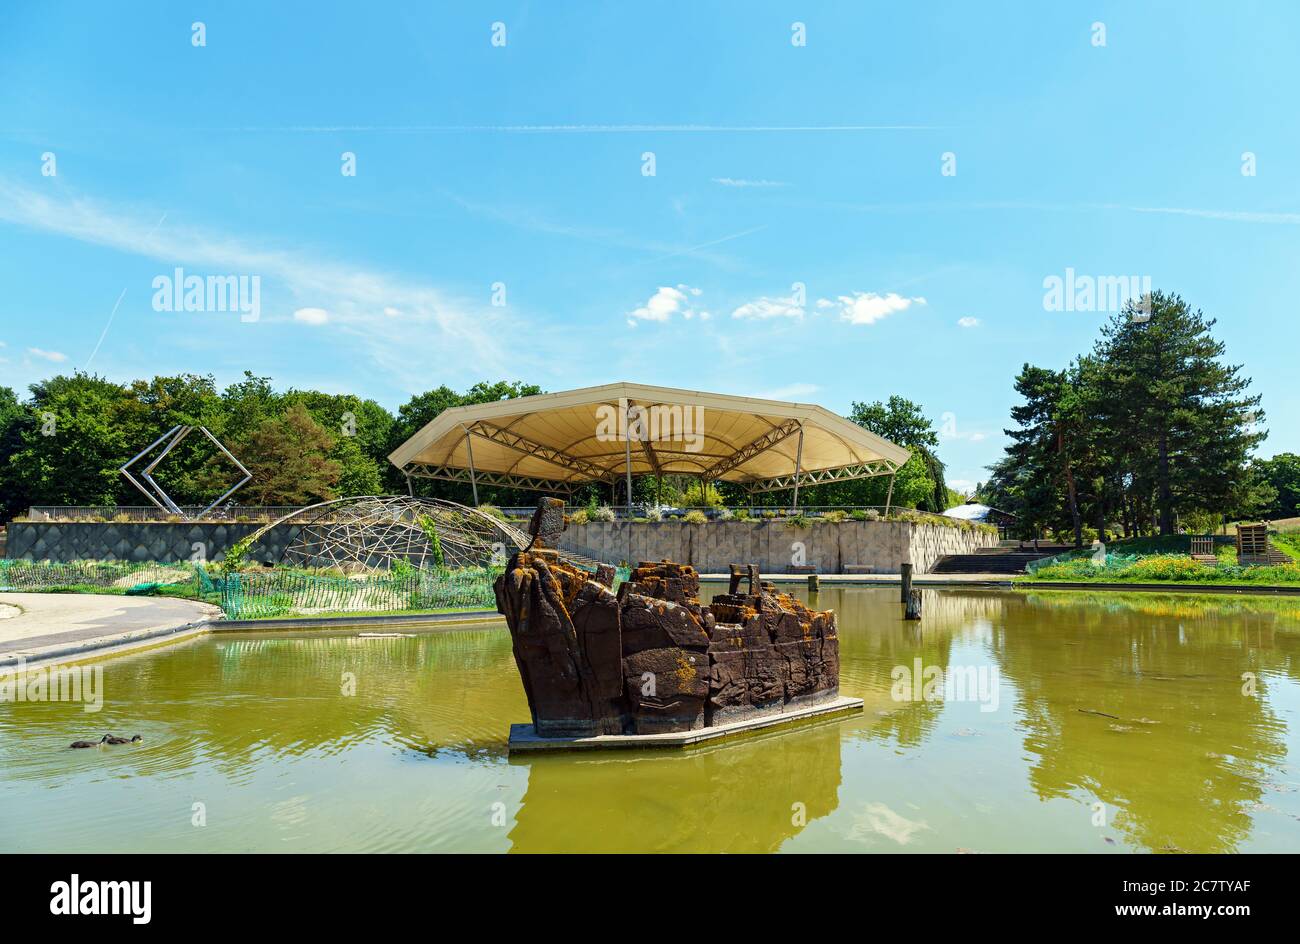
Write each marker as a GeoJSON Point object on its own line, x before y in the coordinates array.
{"type": "Point", "coordinates": [1253, 548]}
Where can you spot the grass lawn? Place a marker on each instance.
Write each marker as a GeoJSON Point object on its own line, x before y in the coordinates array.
{"type": "Point", "coordinates": [1288, 542]}
{"type": "Point", "coordinates": [1164, 568]}
{"type": "Point", "coordinates": [1167, 559]}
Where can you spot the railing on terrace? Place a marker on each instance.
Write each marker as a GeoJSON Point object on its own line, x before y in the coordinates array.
{"type": "Point", "coordinates": [128, 513]}
{"type": "Point", "coordinates": [754, 512]}
{"type": "Point", "coordinates": [264, 513]}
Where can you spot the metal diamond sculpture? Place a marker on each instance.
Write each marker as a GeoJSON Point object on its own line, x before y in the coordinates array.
{"type": "Point", "coordinates": [155, 492]}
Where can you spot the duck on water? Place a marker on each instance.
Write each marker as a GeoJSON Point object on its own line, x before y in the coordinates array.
{"type": "Point", "coordinates": [106, 739]}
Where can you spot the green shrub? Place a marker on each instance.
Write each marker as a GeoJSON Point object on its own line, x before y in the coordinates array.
{"type": "Point", "coordinates": [710, 497]}
{"type": "Point", "coordinates": [581, 516]}
{"type": "Point", "coordinates": [1163, 568]}
{"type": "Point", "coordinates": [435, 543]}
{"type": "Point", "coordinates": [493, 511]}
{"type": "Point", "coordinates": [695, 516]}
{"type": "Point", "coordinates": [835, 517]}
{"type": "Point", "coordinates": [603, 513]}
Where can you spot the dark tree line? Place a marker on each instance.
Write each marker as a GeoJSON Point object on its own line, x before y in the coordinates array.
{"type": "Point", "coordinates": [1150, 432]}
{"type": "Point", "coordinates": [65, 442]}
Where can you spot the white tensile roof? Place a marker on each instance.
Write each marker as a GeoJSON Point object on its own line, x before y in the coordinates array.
{"type": "Point", "coordinates": [973, 511]}
{"type": "Point", "coordinates": [556, 441]}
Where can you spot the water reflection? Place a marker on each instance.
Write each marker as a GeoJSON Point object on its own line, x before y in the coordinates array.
{"type": "Point", "coordinates": [748, 796]}
{"type": "Point", "coordinates": [1139, 703]}
{"type": "Point", "coordinates": [1132, 701]}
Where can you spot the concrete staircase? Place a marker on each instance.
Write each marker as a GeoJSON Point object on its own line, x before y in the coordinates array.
{"type": "Point", "coordinates": [996, 560]}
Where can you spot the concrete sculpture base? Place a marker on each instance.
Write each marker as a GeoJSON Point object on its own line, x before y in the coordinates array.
{"type": "Point", "coordinates": [523, 737]}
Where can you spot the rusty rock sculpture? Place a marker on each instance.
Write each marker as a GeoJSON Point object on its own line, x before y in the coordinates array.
{"type": "Point", "coordinates": [653, 658]}
{"type": "Point", "coordinates": [567, 644]}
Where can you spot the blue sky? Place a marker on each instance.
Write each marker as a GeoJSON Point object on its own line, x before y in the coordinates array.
{"type": "Point", "coordinates": [522, 164]}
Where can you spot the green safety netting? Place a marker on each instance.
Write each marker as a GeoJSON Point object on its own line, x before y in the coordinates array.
{"type": "Point", "coordinates": [254, 594]}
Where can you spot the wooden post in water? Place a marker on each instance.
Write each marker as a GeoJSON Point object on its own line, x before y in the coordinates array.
{"type": "Point", "coordinates": [906, 571]}
{"type": "Point", "coordinates": [913, 609]}
{"type": "Point", "coordinates": [813, 583]}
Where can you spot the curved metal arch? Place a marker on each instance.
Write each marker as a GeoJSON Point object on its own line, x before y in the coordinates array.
{"type": "Point", "coordinates": [371, 532]}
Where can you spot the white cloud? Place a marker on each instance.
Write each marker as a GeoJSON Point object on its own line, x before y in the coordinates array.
{"type": "Point", "coordinates": [311, 316]}
{"type": "Point", "coordinates": [763, 308]}
{"type": "Point", "coordinates": [391, 312]}
{"type": "Point", "coordinates": [868, 307]}
{"type": "Point", "coordinates": [666, 302]}
{"type": "Point", "coordinates": [356, 299]}
{"type": "Point", "coordinates": [56, 356]}
{"type": "Point", "coordinates": [968, 322]}
{"type": "Point", "coordinates": [742, 182]}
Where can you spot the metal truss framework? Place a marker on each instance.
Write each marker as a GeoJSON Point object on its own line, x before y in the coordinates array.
{"type": "Point", "coordinates": [746, 452]}
{"type": "Point", "coordinates": [844, 473]}
{"type": "Point", "coordinates": [778, 483]}
{"type": "Point", "coordinates": [445, 473]}
{"type": "Point", "coordinates": [504, 437]}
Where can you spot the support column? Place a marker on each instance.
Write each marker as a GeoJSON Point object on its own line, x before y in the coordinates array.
{"type": "Point", "coordinates": [889, 496]}
{"type": "Point", "coordinates": [798, 462]}
{"type": "Point", "coordinates": [473, 477]}
{"type": "Point", "coordinates": [627, 468]}
{"type": "Point", "coordinates": [410, 488]}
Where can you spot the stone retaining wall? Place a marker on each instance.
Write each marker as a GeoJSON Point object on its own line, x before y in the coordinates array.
{"type": "Point", "coordinates": [138, 541]}
{"type": "Point", "coordinates": [876, 547]}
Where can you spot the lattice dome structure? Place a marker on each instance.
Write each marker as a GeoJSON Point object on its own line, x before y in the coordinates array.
{"type": "Point", "coordinates": [373, 532]}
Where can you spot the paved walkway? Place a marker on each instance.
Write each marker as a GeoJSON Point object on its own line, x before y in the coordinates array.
{"type": "Point", "coordinates": [55, 626]}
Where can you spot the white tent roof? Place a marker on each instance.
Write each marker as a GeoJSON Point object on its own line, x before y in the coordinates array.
{"type": "Point", "coordinates": [974, 511]}
{"type": "Point", "coordinates": [556, 441]}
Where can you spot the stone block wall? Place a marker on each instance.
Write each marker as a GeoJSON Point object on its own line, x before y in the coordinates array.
{"type": "Point", "coordinates": [137, 541]}
{"type": "Point", "coordinates": [777, 546]}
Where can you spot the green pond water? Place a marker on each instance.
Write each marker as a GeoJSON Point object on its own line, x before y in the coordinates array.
{"type": "Point", "coordinates": [1106, 724]}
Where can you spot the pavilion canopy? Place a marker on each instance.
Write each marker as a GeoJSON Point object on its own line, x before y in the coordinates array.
{"type": "Point", "coordinates": [557, 441]}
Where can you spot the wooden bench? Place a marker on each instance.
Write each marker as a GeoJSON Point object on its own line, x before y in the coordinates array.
{"type": "Point", "coordinates": [1203, 549]}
